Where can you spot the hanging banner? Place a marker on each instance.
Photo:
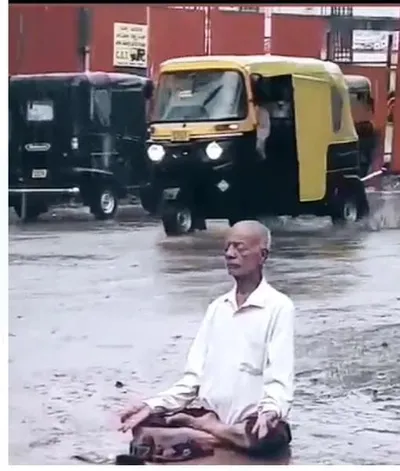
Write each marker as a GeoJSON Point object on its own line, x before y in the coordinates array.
{"type": "Point", "coordinates": [130, 45]}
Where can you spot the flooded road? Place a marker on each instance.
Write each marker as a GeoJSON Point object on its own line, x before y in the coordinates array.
{"type": "Point", "coordinates": [93, 304]}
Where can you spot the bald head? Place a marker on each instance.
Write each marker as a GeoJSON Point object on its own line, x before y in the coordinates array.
{"type": "Point", "coordinates": [246, 248]}
{"type": "Point", "coordinates": [255, 231]}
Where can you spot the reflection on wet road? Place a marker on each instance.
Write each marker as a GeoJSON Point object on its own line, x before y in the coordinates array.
{"type": "Point", "coordinates": [92, 304]}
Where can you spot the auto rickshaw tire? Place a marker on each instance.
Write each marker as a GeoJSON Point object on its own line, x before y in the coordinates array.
{"type": "Point", "coordinates": [104, 203]}
{"type": "Point", "coordinates": [350, 205]}
{"type": "Point", "coordinates": [172, 218]}
{"type": "Point", "coordinates": [33, 211]}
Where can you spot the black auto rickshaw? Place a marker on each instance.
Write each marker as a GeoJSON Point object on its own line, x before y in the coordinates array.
{"type": "Point", "coordinates": [76, 135]}
{"type": "Point", "coordinates": [363, 108]}
{"type": "Point", "coordinates": [204, 141]}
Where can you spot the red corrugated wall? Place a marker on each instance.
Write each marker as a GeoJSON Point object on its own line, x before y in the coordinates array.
{"type": "Point", "coordinates": [49, 41]}
{"type": "Point", "coordinates": [14, 46]}
{"type": "Point", "coordinates": [172, 33]}
{"type": "Point", "coordinates": [175, 33]}
{"type": "Point", "coordinates": [43, 38]}
{"type": "Point", "coordinates": [295, 35]}
{"type": "Point", "coordinates": [103, 19]}
{"type": "Point", "coordinates": [236, 32]}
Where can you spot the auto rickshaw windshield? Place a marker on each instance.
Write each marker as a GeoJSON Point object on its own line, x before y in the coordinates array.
{"type": "Point", "coordinates": [204, 95]}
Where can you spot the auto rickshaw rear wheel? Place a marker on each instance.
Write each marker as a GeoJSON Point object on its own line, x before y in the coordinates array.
{"type": "Point", "coordinates": [350, 206]}
{"type": "Point", "coordinates": [33, 210]}
{"type": "Point", "coordinates": [104, 203]}
{"type": "Point", "coordinates": [177, 219]}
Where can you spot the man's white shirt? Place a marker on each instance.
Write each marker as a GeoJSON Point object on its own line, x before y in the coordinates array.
{"type": "Point", "coordinates": [242, 360]}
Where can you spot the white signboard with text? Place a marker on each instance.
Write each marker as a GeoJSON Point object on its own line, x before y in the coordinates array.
{"type": "Point", "coordinates": [372, 46]}
{"type": "Point", "coordinates": [130, 45]}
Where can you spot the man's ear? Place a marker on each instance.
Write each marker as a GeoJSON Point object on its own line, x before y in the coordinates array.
{"type": "Point", "coordinates": [264, 253]}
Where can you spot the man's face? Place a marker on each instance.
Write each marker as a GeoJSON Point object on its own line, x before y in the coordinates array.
{"type": "Point", "coordinates": [243, 253]}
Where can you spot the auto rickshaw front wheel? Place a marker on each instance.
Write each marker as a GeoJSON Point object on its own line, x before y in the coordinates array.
{"type": "Point", "coordinates": [104, 204]}
{"type": "Point", "coordinates": [350, 206]}
{"type": "Point", "coordinates": [177, 219]}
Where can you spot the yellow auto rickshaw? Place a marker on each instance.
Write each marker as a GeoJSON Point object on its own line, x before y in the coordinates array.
{"type": "Point", "coordinates": [241, 137]}
{"type": "Point", "coordinates": [363, 109]}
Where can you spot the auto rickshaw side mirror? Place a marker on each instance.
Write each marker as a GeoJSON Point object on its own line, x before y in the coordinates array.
{"type": "Point", "coordinates": [148, 90]}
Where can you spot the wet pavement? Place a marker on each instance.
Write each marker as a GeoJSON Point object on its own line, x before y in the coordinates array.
{"type": "Point", "coordinates": [93, 304]}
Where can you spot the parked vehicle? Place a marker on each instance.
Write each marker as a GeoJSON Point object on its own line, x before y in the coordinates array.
{"type": "Point", "coordinates": [76, 135]}
{"type": "Point", "coordinates": [363, 109]}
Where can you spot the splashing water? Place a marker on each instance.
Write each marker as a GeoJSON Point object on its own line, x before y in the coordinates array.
{"type": "Point", "coordinates": [385, 210]}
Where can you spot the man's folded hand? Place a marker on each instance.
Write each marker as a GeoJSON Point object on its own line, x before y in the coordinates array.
{"type": "Point", "coordinates": [134, 416]}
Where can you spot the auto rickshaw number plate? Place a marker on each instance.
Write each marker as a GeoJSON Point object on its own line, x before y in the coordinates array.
{"type": "Point", "coordinates": [180, 135]}
{"type": "Point", "coordinates": [39, 173]}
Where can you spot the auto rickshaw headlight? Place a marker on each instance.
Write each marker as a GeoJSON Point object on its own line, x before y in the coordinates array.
{"type": "Point", "coordinates": [214, 151]}
{"type": "Point", "coordinates": [156, 152]}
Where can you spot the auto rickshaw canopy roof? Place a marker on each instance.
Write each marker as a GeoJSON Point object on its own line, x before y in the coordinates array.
{"type": "Point", "coordinates": [267, 65]}
{"type": "Point", "coordinates": [270, 66]}
{"type": "Point", "coordinates": [357, 83]}
{"type": "Point", "coordinates": [95, 78]}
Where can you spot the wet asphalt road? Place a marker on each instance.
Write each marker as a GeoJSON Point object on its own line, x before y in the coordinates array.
{"type": "Point", "coordinates": [96, 303]}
